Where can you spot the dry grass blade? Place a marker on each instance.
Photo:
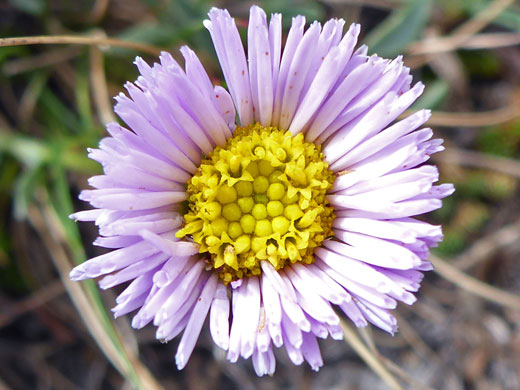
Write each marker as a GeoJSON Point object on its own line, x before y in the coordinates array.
{"type": "Point", "coordinates": [98, 11]}
{"type": "Point", "coordinates": [79, 40]}
{"type": "Point", "coordinates": [487, 246]}
{"type": "Point", "coordinates": [75, 291]}
{"type": "Point", "coordinates": [35, 300]}
{"type": "Point", "coordinates": [482, 19]}
{"type": "Point", "coordinates": [48, 58]}
{"type": "Point", "coordinates": [409, 334]}
{"type": "Point", "coordinates": [473, 119]}
{"type": "Point", "coordinates": [462, 33]}
{"type": "Point", "coordinates": [368, 356]}
{"type": "Point", "coordinates": [366, 335]}
{"type": "Point", "coordinates": [48, 226]}
{"type": "Point", "coordinates": [474, 286]}
{"type": "Point", "coordinates": [492, 41]}
{"type": "Point", "coordinates": [99, 86]}
{"type": "Point", "coordinates": [473, 159]}
{"type": "Point", "coordinates": [415, 385]}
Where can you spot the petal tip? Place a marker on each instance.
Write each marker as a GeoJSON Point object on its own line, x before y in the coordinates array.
{"type": "Point", "coordinates": [77, 274]}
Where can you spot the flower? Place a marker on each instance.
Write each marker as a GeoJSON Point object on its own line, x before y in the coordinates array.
{"type": "Point", "coordinates": [267, 224]}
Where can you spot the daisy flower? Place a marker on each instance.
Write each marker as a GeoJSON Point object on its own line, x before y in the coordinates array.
{"type": "Point", "coordinates": [271, 207]}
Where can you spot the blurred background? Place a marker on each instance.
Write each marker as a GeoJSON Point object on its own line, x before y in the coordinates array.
{"type": "Point", "coordinates": [464, 331]}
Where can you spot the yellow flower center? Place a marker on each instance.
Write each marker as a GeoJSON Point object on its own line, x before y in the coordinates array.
{"type": "Point", "coordinates": [262, 197]}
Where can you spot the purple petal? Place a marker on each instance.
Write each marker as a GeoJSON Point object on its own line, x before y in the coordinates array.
{"type": "Point", "coordinates": [294, 83]}
{"type": "Point", "coordinates": [199, 313]}
{"type": "Point", "coordinates": [231, 56]}
{"type": "Point", "coordinates": [219, 317]}
{"type": "Point", "coordinates": [293, 39]}
{"type": "Point", "coordinates": [264, 362]}
{"type": "Point", "coordinates": [324, 80]}
{"type": "Point", "coordinates": [260, 66]}
{"type": "Point", "coordinates": [311, 351]}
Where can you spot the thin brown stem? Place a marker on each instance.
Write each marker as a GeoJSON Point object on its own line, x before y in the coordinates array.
{"type": "Point", "coordinates": [484, 248]}
{"type": "Point", "coordinates": [464, 32]}
{"type": "Point", "coordinates": [472, 119]}
{"type": "Point", "coordinates": [35, 300]}
{"type": "Point", "coordinates": [470, 158]}
{"type": "Point", "coordinates": [368, 356]}
{"type": "Point", "coordinates": [492, 40]}
{"type": "Point", "coordinates": [474, 286]}
{"type": "Point", "coordinates": [79, 40]}
{"type": "Point", "coordinates": [99, 86]}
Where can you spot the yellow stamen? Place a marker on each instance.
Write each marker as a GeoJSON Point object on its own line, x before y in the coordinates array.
{"type": "Point", "coordinates": [261, 197]}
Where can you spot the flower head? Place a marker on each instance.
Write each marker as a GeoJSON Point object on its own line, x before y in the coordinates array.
{"type": "Point", "coordinates": [267, 224]}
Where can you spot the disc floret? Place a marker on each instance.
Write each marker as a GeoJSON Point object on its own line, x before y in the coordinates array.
{"type": "Point", "coordinates": [261, 197]}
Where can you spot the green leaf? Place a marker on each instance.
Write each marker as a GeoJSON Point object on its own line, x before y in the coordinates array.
{"type": "Point", "coordinates": [434, 95]}
{"type": "Point", "coordinates": [8, 174]}
{"type": "Point", "coordinates": [57, 117]}
{"type": "Point", "coordinates": [82, 92]}
{"type": "Point", "coordinates": [34, 153]}
{"type": "Point", "coordinates": [33, 7]}
{"type": "Point", "coordinates": [9, 52]}
{"type": "Point", "coordinates": [61, 205]}
{"type": "Point", "coordinates": [149, 32]}
{"type": "Point", "coordinates": [23, 191]}
{"type": "Point", "coordinates": [401, 28]}
{"type": "Point", "coordinates": [312, 10]}
{"type": "Point", "coordinates": [453, 243]}
{"type": "Point", "coordinates": [31, 152]}
{"type": "Point", "coordinates": [509, 18]}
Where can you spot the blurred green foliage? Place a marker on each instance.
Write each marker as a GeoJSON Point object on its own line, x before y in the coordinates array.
{"type": "Point", "coordinates": [501, 140]}
{"type": "Point", "coordinates": [401, 28]}
{"type": "Point", "coordinates": [480, 63]}
{"type": "Point", "coordinates": [33, 7]}
{"type": "Point", "coordinates": [509, 19]}
{"type": "Point", "coordinates": [434, 95]}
